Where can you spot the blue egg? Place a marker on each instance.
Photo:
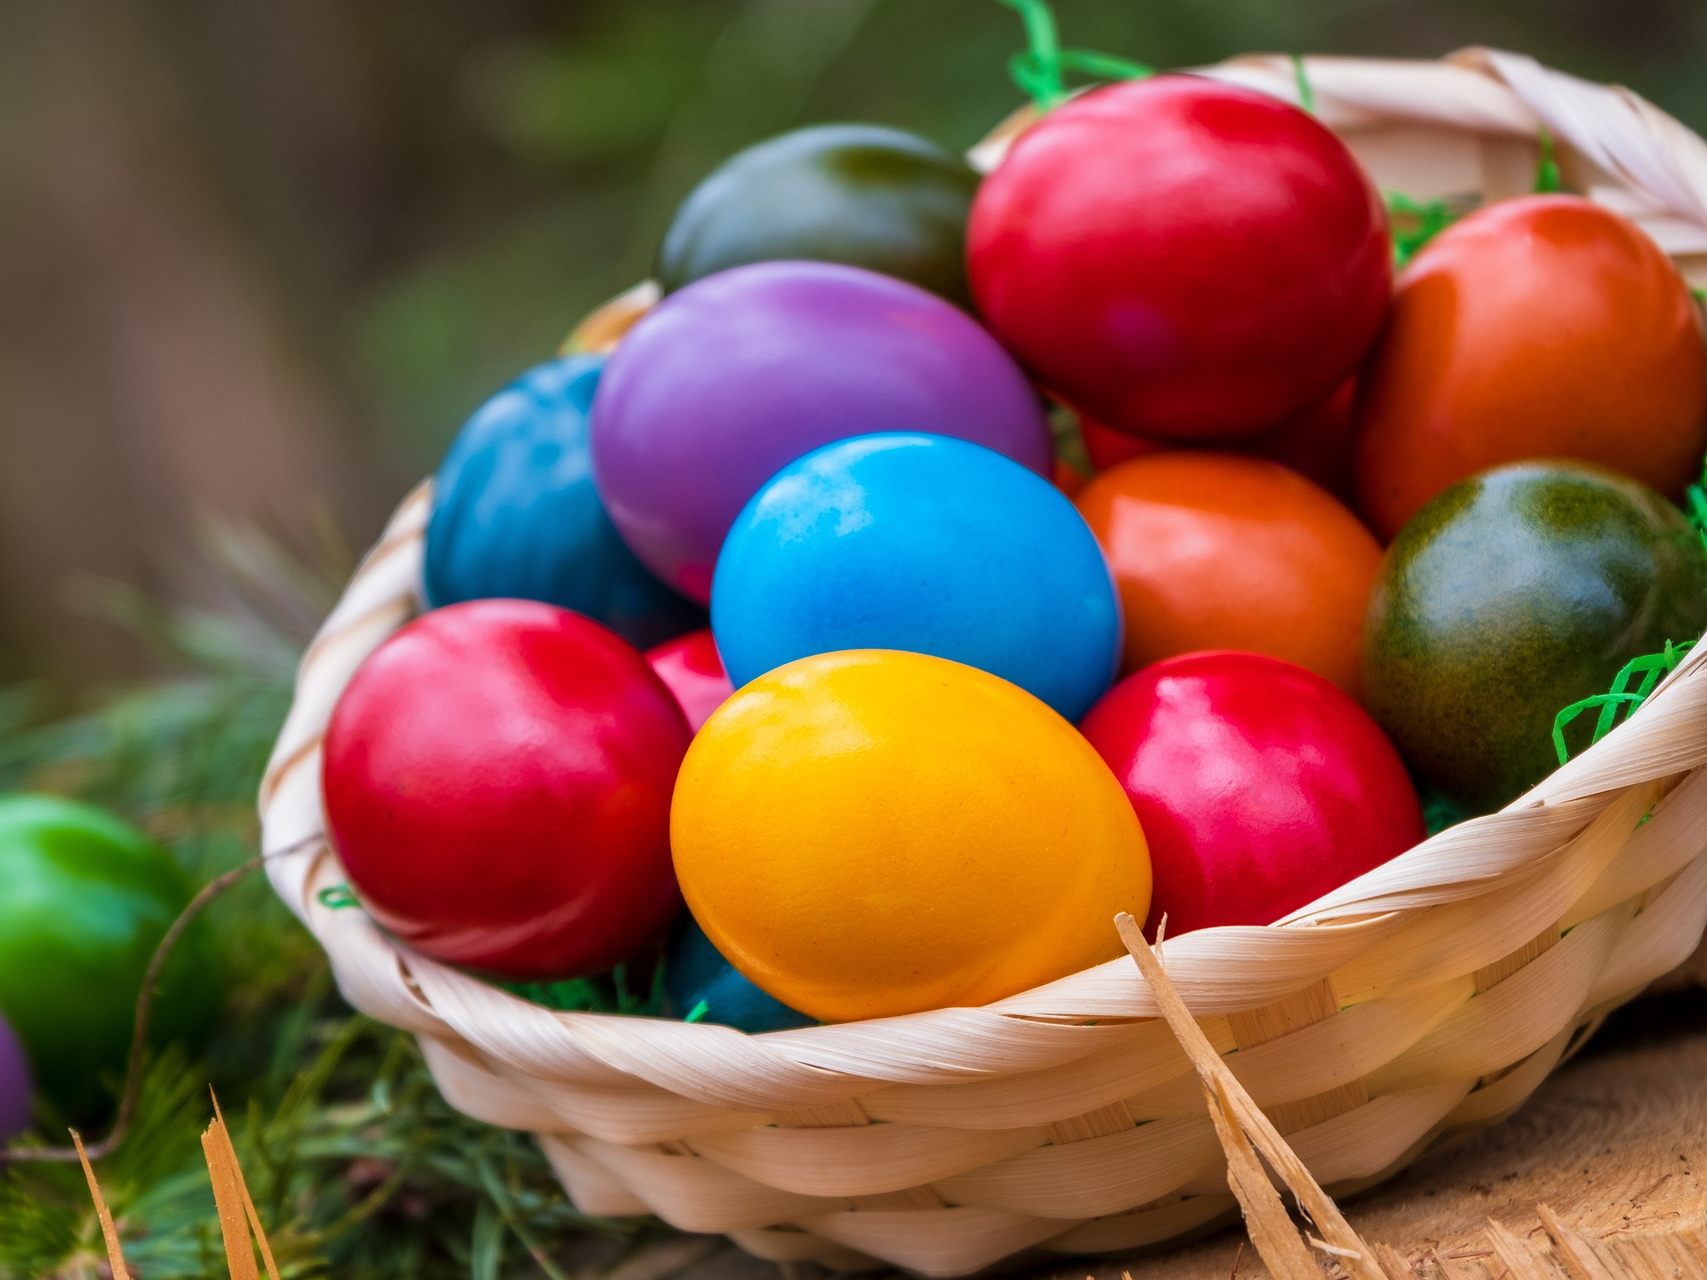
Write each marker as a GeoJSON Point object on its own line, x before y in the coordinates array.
{"type": "Point", "coordinates": [515, 513]}
{"type": "Point", "coordinates": [696, 973]}
{"type": "Point", "coordinates": [923, 543]}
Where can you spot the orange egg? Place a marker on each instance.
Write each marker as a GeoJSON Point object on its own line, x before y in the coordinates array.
{"type": "Point", "coordinates": [1215, 551]}
{"type": "Point", "coordinates": [1544, 327]}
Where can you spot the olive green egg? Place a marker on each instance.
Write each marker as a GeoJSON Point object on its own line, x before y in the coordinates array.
{"type": "Point", "coordinates": [862, 195]}
{"type": "Point", "coordinates": [1511, 595]}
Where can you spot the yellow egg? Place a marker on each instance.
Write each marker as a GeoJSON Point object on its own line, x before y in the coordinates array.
{"type": "Point", "coordinates": [871, 832]}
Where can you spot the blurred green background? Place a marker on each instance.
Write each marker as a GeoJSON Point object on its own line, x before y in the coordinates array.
{"type": "Point", "coordinates": [260, 258]}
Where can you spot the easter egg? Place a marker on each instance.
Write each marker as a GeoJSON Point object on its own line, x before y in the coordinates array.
{"type": "Point", "coordinates": [515, 513]}
{"type": "Point", "coordinates": [923, 543]}
{"type": "Point", "coordinates": [497, 785]}
{"type": "Point", "coordinates": [1543, 327]}
{"type": "Point", "coordinates": [693, 673]}
{"type": "Point", "coordinates": [870, 833]}
{"type": "Point", "coordinates": [1316, 442]}
{"type": "Point", "coordinates": [1181, 258]}
{"type": "Point", "coordinates": [1217, 551]}
{"type": "Point", "coordinates": [1510, 596]}
{"type": "Point", "coordinates": [15, 1085]}
{"type": "Point", "coordinates": [1068, 478]}
{"type": "Point", "coordinates": [742, 372]}
{"type": "Point", "coordinates": [1260, 786]}
{"type": "Point", "coordinates": [859, 194]}
{"type": "Point", "coordinates": [696, 975]}
{"type": "Point", "coordinates": [84, 902]}
{"type": "Point", "coordinates": [1107, 447]}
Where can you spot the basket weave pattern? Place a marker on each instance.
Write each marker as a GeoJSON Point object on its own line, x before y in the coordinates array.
{"type": "Point", "coordinates": [1427, 998]}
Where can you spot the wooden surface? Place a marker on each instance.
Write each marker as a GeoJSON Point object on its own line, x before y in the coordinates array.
{"type": "Point", "coordinates": [1615, 1145]}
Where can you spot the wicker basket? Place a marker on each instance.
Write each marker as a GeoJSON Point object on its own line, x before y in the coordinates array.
{"type": "Point", "coordinates": [1426, 999]}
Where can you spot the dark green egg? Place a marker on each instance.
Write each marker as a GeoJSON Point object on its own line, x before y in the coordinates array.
{"type": "Point", "coordinates": [858, 194]}
{"type": "Point", "coordinates": [1510, 596]}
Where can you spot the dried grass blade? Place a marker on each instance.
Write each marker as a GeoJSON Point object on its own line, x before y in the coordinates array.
{"type": "Point", "coordinates": [1241, 1126]}
{"type": "Point", "coordinates": [233, 1225]}
{"type": "Point", "coordinates": [249, 1211]}
{"type": "Point", "coordinates": [109, 1231]}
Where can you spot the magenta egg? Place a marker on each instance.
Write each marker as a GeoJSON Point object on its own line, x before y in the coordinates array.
{"type": "Point", "coordinates": [740, 373]}
{"type": "Point", "coordinates": [1260, 786]}
{"type": "Point", "coordinates": [692, 671]}
{"type": "Point", "coordinates": [15, 1085]}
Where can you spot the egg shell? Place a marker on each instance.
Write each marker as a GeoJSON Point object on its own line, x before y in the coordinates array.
{"type": "Point", "coordinates": [875, 832]}
{"type": "Point", "coordinates": [695, 974]}
{"type": "Point", "coordinates": [1260, 786]}
{"type": "Point", "coordinates": [742, 372]}
{"type": "Point", "coordinates": [922, 543]}
{"type": "Point", "coordinates": [515, 513]}
{"type": "Point", "coordinates": [692, 671]}
{"type": "Point", "coordinates": [1217, 551]}
{"type": "Point", "coordinates": [497, 781]}
{"type": "Point", "coordinates": [15, 1085]}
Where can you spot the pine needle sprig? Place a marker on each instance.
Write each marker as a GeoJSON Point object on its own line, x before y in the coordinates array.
{"type": "Point", "coordinates": [358, 1167]}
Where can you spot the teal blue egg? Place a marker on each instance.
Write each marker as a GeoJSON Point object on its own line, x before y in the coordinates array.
{"type": "Point", "coordinates": [695, 974]}
{"type": "Point", "coordinates": [516, 515]}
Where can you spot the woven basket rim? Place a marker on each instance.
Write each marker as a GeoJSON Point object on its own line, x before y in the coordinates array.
{"type": "Point", "coordinates": [1340, 921]}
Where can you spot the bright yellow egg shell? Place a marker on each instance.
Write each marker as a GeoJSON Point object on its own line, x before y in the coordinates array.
{"type": "Point", "coordinates": [873, 832]}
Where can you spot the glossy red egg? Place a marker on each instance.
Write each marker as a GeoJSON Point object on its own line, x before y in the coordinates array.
{"type": "Point", "coordinates": [1259, 785]}
{"type": "Point", "coordinates": [497, 781]}
{"type": "Point", "coordinates": [693, 673]}
{"type": "Point", "coordinates": [1181, 258]}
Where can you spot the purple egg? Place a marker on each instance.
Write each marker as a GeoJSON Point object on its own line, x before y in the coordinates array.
{"type": "Point", "coordinates": [14, 1085]}
{"type": "Point", "coordinates": [739, 374]}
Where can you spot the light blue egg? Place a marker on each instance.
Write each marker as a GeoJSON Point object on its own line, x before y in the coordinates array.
{"type": "Point", "coordinates": [923, 543]}
{"type": "Point", "coordinates": [515, 514]}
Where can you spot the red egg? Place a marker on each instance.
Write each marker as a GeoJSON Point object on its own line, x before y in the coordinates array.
{"type": "Point", "coordinates": [1107, 447]}
{"type": "Point", "coordinates": [497, 781]}
{"type": "Point", "coordinates": [1259, 785]}
{"type": "Point", "coordinates": [1181, 258]}
{"type": "Point", "coordinates": [1068, 478]}
{"type": "Point", "coordinates": [1316, 442]}
{"type": "Point", "coordinates": [692, 671]}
